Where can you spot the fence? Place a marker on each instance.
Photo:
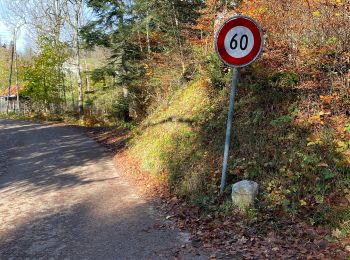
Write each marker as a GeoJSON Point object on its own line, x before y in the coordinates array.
{"type": "Point", "coordinates": [13, 105]}
{"type": "Point", "coordinates": [3, 105]}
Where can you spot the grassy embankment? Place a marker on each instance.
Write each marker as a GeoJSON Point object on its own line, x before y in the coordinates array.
{"type": "Point", "coordinates": [292, 140]}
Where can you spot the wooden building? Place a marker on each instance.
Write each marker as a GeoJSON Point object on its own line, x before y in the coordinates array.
{"type": "Point", "coordinates": [11, 100]}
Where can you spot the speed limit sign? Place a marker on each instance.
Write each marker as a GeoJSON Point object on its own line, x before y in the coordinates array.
{"type": "Point", "coordinates": [239, 41]}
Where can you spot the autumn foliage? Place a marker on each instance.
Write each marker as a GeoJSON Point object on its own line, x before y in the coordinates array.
{"type": "Point", "coordinates": [292, 117]}
{"type": "Point", "coordinates": [292, 130]}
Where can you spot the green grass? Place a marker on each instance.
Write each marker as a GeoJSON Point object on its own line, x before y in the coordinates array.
{"type": "Point", "coordinates": [298, 174]}
{"type": "Point", "coordinates": [169, 140]}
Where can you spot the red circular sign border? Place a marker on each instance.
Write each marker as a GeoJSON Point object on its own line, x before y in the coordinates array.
{"type": "Point", "coordinates": [234, 21]}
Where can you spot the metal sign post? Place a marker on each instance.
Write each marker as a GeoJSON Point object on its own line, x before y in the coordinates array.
{"type": "Point", "coordinates": [238, 43]}
{"type": "Point", "coordinates": [229, 129]}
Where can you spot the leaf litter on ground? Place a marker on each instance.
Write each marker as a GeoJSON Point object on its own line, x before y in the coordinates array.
{"type": "Point", "coordinates": [230, 236]}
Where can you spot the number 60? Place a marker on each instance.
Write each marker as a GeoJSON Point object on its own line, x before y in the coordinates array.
{"type": "Point", "coordinates": [243, 42]}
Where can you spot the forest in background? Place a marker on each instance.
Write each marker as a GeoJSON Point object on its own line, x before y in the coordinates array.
{"type": "Point", "coordinates": [150, 66]}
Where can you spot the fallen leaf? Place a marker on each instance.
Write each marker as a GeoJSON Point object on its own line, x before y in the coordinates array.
{"type": "Point", "coordinates": [336, 233]}
{"type": "Point", "coordinates": [322, 164]}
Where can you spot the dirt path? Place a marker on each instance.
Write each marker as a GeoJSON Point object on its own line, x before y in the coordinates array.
{"type": "Point", "coordinates": [62, 198]}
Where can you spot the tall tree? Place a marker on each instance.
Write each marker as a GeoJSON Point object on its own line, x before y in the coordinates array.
{"type": "Point", "coordinates": [111, 29]}
{"type": "Point", "coordinates": [42, 77]}
{"type": "Point", "coordinates": [75, 24]}
{"type": "Point", "coordinates": [123, 25]}
{"type": "Point", "coordinates": [10, 77]}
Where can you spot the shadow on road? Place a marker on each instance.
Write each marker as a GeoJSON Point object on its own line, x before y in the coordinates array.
{"type": "Point", "coordinates": [80, 232]}
{"type": "Point", "coordinates": [60, 196]}
{"type": "Point", "coordinates": [46, 157]}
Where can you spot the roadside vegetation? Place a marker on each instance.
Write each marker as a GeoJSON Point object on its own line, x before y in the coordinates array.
{"type": "Point", "coordinates": [160, 78]}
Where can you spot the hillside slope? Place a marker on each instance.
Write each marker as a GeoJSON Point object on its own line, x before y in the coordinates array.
{"type": "Point", "coordinates": [295, 147]}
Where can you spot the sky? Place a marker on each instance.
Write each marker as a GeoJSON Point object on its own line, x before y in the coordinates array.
{"type": "Point", "coordinates": [23, 38]}
{"type": "Point", "coordinates": [6, 36]}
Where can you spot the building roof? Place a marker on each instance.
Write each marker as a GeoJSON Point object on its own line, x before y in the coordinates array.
{"type": "Point", "coordinates": [13, 92]}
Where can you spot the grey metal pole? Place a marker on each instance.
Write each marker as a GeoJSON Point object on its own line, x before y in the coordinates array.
{"type": "Point", "coordinates": [229, 129]}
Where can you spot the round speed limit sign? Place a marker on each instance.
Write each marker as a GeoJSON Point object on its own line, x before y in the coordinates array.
{"type": "Point", "coordinates": [239, 41]}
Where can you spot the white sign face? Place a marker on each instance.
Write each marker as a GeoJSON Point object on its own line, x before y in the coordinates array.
{"type": "Point", "coordinates": [239, 42]}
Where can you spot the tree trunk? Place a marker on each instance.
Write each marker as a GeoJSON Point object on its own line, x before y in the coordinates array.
{"type": "Point", "coordinates": [77, 43]}
{"type": "Point", "coordinates": [178, 37]}
{"type": "Point", "coordinates": [126, 110]}
{"type": "Point", "coordinates": [140, 43]}
{"type": "Point", "coordinates": [64, 89]}
{"type": "Point", "coordinates": [87, 85]}
{"type": "Point", "coordinates": [72, 93]}
{"type": "Point", "coordinates": [147, 37]}
{"type": "Point", "coordinates": [16, 70]}
{"type": "Point", "coordinates": [10, 79]}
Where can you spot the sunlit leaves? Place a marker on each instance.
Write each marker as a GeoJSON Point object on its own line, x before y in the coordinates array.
{"type": "Point", "coordinates": [44, 76]}
{"type": "Point", "coordinates": [347, 128]}
{"type": "Point", "coordinates": [316, 13]}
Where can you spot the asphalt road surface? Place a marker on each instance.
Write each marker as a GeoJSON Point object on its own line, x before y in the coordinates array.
{"type": "Point", "coordinates": [62, 198]}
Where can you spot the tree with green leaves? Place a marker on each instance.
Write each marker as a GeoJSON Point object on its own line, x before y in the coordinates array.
{"type": "Point", "coordinates": [126, 27]}
{"type": "Point", "coordinates": [43, 78]}
{"type": "Point", "coordinates": [112, 29]}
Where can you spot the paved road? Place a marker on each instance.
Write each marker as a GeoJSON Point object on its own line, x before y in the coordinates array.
{"type": "Point", "coordinates": [62, 198]}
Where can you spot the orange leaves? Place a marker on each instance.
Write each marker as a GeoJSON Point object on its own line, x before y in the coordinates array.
{"type": "Point", "coordinates": [315, 119]}
{"type": "Point", "coordinates": [329, 102]}
{"type": "Point", "coordinates": [318, 118]}
{"type": "Point", "coordinates": [326, 99]}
